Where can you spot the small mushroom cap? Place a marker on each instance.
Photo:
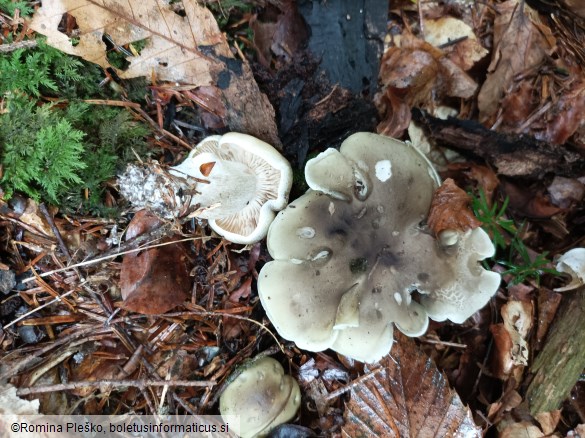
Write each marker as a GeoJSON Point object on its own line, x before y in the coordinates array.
{"type": "Point", "coordinates": [248, 181]}
{"type": "Point", "coordinates": [350, 252]}
{"type": "Point", "coordinates": [262, 396]}
{"type": "Point", "coordinates": [573, 263]}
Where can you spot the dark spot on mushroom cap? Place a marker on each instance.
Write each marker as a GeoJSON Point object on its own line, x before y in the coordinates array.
{"type": "Point", "coordinates": [358, 265]}
{"type": "Point", "coordinates": [388, 258]}
{"type": "Point", "coordinates": [423, 276]}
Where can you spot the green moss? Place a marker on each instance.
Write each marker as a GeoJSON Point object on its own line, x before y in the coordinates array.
{"type": "Point", "coordinates": [62, 152]}
{"type": "Point", "coordinates": [9, 7]}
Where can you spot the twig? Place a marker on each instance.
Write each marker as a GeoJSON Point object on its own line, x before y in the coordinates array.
{"type": "Point", "coordinates": [36, 309]}
{"type": "Point", "coordinates": [19, 365]}
{"type": "Point", "coordinates": [112, 103]}
{"type": "Point", "coordinates": [55, 230]}
{"type": "Point", "coordinates": [439, 342]}
{"type": "Point", "coordinates": [142, 384]}
{"type": "Point", "coordinates": [229, 315]}
{"type": "Point", "coordinates": [162, 130]}
{"type": "Point", "coordinates": [107, 257]}
{"type": "Point", "coordinates": [186, 405]}
{"type": "Point", "coordinates": [6, 48]}
{"type": "Point", "coordinates": [357, 381]}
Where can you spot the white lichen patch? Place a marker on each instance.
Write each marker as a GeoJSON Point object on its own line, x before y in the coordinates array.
{"type": "Point", "coordinates": [383, 170]}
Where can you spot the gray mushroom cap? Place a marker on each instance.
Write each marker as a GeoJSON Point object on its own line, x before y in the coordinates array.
{"type": "Point", "coordinates": [248, 181]}
{"type": "Point", "coordinates": [349, 254]}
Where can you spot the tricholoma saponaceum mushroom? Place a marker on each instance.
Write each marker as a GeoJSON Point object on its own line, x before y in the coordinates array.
{"type": "Point", "coordinates": [350, 253]}
{"type": "Point", "coordinates": [262, 396]}
{"type": "Point", "coordinates": [247, 180]}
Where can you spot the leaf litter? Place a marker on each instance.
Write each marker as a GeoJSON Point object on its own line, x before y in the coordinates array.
{"type": "Point", "coordinates": [194, 342]}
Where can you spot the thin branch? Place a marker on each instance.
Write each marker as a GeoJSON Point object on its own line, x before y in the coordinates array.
{"type": "Point", "coordinates": [108, 257]}
{"type": "Point", "coordinates": [357, 381]}
{"type": "Point", "coordinates": [7, 48]}
{"type": "Point", "coordinates": [142, 384]}
{"type": "Point", "coordinates": [55, 230]}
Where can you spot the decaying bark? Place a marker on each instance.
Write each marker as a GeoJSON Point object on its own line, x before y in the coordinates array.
{"type": "Point", "coordinates": [559, 365]}
{"type": "Point", "coordinates": [512, 155]}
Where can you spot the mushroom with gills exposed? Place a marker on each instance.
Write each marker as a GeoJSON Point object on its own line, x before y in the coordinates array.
{"type": "Point", "coordinates": [246, 182]}
{"type": "Point", "coordinates": [351, 257]}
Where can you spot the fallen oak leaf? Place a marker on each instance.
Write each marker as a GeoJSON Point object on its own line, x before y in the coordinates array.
{"type": "Point", "coordinates": [450, 209]}
{"type": "Point", "coordinates": [409, 396]}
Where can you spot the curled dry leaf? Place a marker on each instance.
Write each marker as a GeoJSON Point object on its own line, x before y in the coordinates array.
{"type": "Point", "coordinates": [524, 429]}
{"type": "Point", "coordinates": [528, 203]}
{"type": "Point", "coordinates": [280, 37]}
{"type": "Point", "coordinates": [157, 279]}
{"type": "Point", "coordinates": [450, 209]}
{"type": "Point", "coordinates": [415, 74]}
{"type": "Point", "coordinates": [445, 31]}
{"type": "Point", "coordinates": [183, 44]}
{"type": "Point", "coordinates": [565, 116]}
{"type": "Point", "coordinates": [548, 303]}
{"type": "Point", "coordinates": [483, 176]}
{"type": "Point", "coordinates": [520, 45]}
{"type": "Point", "coordinates": [566, 191]}
{"type": "Point", "coordinates": [510, 346]}
{"type": "Point", "coordinates": [408, 396]}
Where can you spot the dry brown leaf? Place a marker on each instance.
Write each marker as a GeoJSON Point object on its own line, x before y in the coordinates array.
{"type": "Point", "coordinates": [565, 116]}
{"type": "Point", "coordinates": [409, 397]}
{"type": "Point", "coordinates": [523, 429]}
{"type": "Point", "coordinates": [520, 45]}
{"type": "Point", "coordinates": [416, 73]}
{"type": "Point", "coordinates": [565, 192]}
{"type": "Point", "coordinates": [511, 350]}
{"type": "Point", "coordinates": [33, 217]}
{"type": "Point", "coordinates": [528, 203]}
{"type": "Point", "coordinates": [548, 303]}
{"type": "Point", "coordinates": [450, 209]}
{"type": "Point", "coordinates": [183, 44]}
{"type": "Point", "coordinates": [484, 176]}
{"type": "Point", "coordinates": [576, 6]}
{"type": "Point", "coordinates": [157, 279]}
{"type": "Point", "coordinates": [548, 420]}
{"type": "Point", "coordinates": [281, 36]}
{"type": "Point", "coordinates": [445, 30]}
